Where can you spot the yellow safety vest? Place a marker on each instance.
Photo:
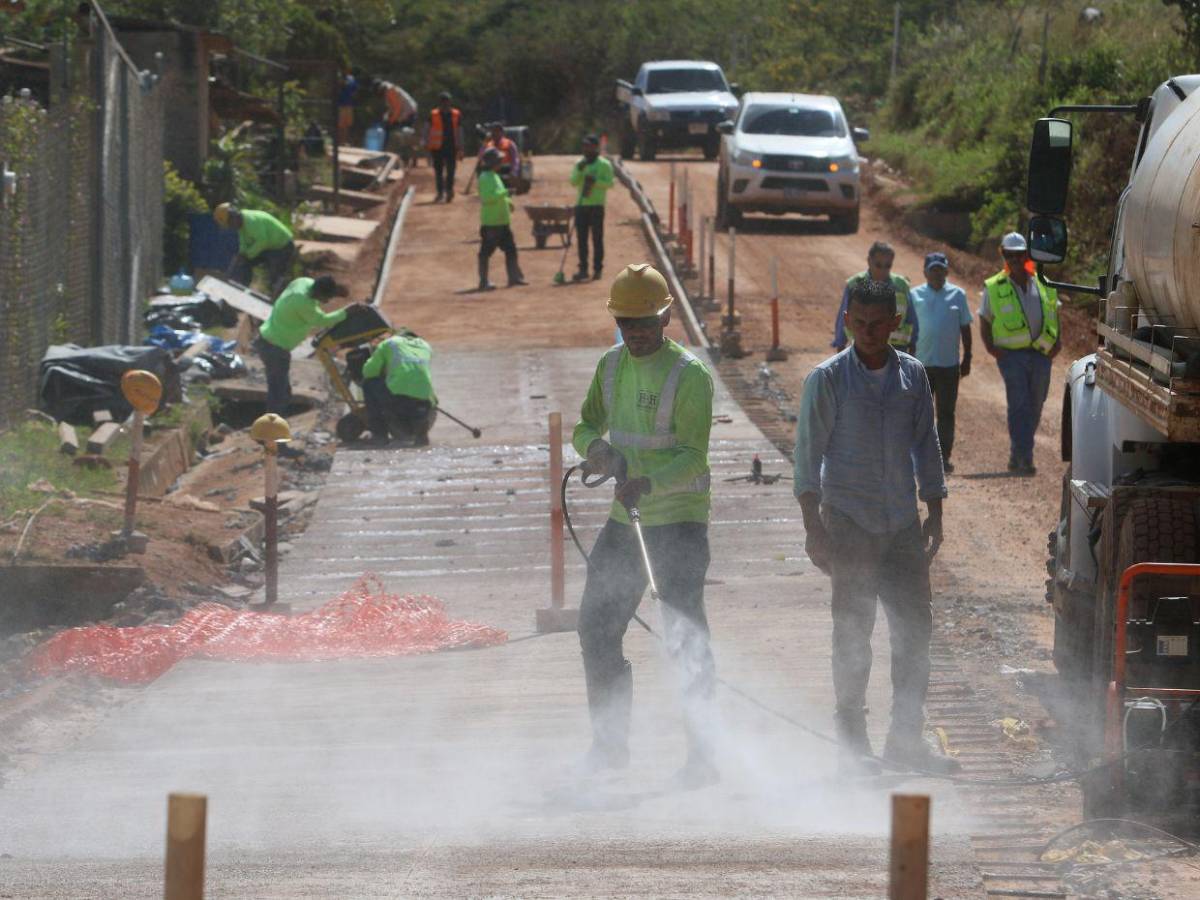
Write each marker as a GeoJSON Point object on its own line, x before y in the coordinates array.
{"type": "Point", "coordinates": [1010, 330]}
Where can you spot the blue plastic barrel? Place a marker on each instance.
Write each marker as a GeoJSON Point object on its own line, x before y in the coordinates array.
{"type": "Point", "coordinates": [375, 138]}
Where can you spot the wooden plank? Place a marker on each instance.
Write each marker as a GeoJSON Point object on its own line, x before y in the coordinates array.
{"type": "Point", "coordinates": [352, 199]}
{"type": "Point", "coordinates": [68, 441]}
{"type": "Point", "coordinates": [249, 302]}
{"type": "Point", "coordinates": [339, 228]}
{"type": "Point", "coordinates": [1089, 494]}
{"type": "Point", "coordinates": [102, 437]}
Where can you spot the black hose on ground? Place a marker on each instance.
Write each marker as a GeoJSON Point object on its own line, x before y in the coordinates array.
{"type": "Point", "coordinates": [1059, 778]}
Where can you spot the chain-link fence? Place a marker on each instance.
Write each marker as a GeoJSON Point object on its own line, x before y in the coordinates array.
{"type": "Point", "coordinates": [81, 227]}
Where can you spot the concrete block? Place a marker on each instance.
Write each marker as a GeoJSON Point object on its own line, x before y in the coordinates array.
{"type": "Point", "coordinates": [68, 441]}
{"type": "Point", "coordinates": [100, 416]}
{"type": "Point", "coordinates": [102, 437]}
{"type": "Point", "coordinates": [552, 619]}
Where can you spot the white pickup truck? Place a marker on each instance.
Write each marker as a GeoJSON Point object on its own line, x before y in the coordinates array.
{"type": "Point", "coordinates": [674, 104]}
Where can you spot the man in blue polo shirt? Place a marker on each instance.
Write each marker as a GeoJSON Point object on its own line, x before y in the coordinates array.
{"type": "Point", "coordinates": [943, 320]}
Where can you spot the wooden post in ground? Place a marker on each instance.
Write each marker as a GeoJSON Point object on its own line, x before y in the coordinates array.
{"type": "Point", "coordinates": [700, 257]}
{"type": "Point", "coordinates": [187, 816]}
{"type": "Point", "coordinates": [270, 431]}
{"type": "Point", "coordinates": [556, 617]}
{"type": "Point", "coordinates": [143, 390]}
{"type": "Point", "coordinates": [775, 353]}
{"type": "Point", "coordinates": [731, 337]}
{"type": "Point", "coordinates": [908, 877]}
{"type": "Point", "coordinates": [712, 268]}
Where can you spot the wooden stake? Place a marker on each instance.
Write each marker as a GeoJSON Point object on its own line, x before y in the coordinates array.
{"type": "Point", "coordinates": [909, 869]}
{"type": "Point", "coordinates": [186, 825]}
{"type": "Point", "coordinates": [271, 523]}
{"type": "Point", "coordinates": [132, 476]}
{"type": "Point", "coordinates": [557, 564]}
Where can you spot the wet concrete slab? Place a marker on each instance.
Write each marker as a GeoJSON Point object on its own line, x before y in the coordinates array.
{"type": "Point", "coordinates": [453, 774]}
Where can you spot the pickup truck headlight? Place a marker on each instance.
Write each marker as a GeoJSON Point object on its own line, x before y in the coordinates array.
{"type": "Point", "coordinates": [844, 164]}
{"type": "Point", "coordinates": [746, 158]}
{"type": "Point", "coordinates": [658, 115]}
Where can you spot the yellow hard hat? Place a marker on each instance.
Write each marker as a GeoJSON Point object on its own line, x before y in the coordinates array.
{"type": "Point", "coordinates": [271, 429]}
{"type": "Point", "coordinates": [142, 389]}
{"type": "Point", "coordinates": [638, 292]}
{"type": "Point", "coordinates": [221, 214]}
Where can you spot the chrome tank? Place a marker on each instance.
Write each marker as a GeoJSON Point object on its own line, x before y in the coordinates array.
{"type": "Point", "coordinates": [1162, 221]}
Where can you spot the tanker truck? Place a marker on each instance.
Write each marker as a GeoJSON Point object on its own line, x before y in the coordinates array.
{"type": "Point", "coordinates": [1124, 580]}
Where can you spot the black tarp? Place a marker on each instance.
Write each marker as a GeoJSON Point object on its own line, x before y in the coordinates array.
{"type": "Point", "coordinates": [77, 381]}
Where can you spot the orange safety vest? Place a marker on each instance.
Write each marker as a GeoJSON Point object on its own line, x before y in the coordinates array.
{"type": "Point", "coordinates": [437, 127]}
{"type": "Point", "coordinates": [507, 148]}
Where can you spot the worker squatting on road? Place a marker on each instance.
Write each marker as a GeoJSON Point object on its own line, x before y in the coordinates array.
{"type": "Point", "coordinates": [510, 153]}
{"type": "Point", "coordinates": [944, 320]}
{"type": "Point", "coordinates": [593, 175]}
{"type": "Point", "coordinates": [262, 241]}
{"type": "Point", "coordinates": [654, 400]}
{"type": "Point", "coordinates": [398, 390]}
{"type": "Point", "coordinates": [444, 141]}
{"type": "Point", "coordinates": [495, 222]}
{"type": "Point", "coordinates": [865, 428]}
{"type": "Point", "coordinates": [1018, 321]}
{"type": "Point", "coordinates": [296, 313]}
{"type": "Point", "coordinates": [880, 258]}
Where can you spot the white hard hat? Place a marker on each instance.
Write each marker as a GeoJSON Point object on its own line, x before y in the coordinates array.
{"type": "Point", "coordinates": [1014, 242]}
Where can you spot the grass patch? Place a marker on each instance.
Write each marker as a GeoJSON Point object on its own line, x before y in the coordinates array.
{"type": "Point", "coordinates": [29, 453]}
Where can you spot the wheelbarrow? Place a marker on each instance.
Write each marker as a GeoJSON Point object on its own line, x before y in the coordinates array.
{"type": "Point", "coordinates": [548, 220]}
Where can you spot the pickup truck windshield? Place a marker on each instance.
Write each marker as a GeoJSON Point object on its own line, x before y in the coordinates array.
{"type": "Point", "coordinates": [793, 121]}
{"type": "Point", "coordinates": [675, 81]}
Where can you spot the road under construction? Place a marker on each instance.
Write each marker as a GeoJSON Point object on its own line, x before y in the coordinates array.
{"type": "Point", "coordinates": [453, 773]}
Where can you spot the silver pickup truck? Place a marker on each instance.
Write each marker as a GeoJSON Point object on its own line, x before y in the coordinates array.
{"type": "Point", "coordinates": [674, 104]}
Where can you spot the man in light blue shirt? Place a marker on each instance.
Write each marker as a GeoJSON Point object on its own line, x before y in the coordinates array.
{"type": "Point", "coordinates": [945, 319]}
{"type": "Point", "coordinates": [864, 431]}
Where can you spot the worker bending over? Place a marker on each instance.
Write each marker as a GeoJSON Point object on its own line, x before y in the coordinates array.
{"type": "Point", "coordinates": [294, 316]}
{"type": "Point", "coordinates": [654, 400]}
{"type": "Point", "coordinates": [262, 241]}
{"type": "Point", "coordinates": [865, 428]}
{"type": "Point", "coordinates": [495, 222]}
{"type": "Point", "coordinates": [593, 175]}
{"type": "Point", "coordinates": [398, 389]}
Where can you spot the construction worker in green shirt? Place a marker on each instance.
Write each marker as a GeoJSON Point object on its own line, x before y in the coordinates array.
{"type": "Point", "coordinates": [495, 218]}
{"type": "Point", "coordinates": [296, 313]}
{"type": "Point", "coordinates": [593, 175]}
{"type": "Point", "coordinates": [398, 389]}
{"type": "Point", "coordinates": [262, 241]}
{"type": "Point", "coordinates": [653, 399]}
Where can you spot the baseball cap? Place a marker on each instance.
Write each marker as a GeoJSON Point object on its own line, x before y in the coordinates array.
{"type": "Point", "coordinates": [936, 259]}
{"type": "Point", "coordinates": [1014, 242]}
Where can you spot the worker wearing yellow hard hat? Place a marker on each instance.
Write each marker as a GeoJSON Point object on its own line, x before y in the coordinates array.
{"type": "Point", "coordinates": [653, 400]}
{"type": "Point", "coordinates": [262, 241]}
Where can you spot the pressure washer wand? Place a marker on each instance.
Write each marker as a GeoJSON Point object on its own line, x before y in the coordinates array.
{"type": "Point", "coordinates": [635, 517]}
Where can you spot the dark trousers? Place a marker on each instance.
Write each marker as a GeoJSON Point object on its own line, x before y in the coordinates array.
{"type": "Point", "coordinates": [491, 239]}
{"type": "Point", "coordinates": [444, 164]}
{"type": "Point", "coordinates": [590, 220]}
{"type": "Point", "coordinates": [1026, 375]}
{"type": "Point", "coordinates": [868, 568]}
{"type": "Point", "coordinates": [277, 264]}
{"type": "Point", "coordinates": [943, 381]}
{"type": "Point", "coordinates": [616, 580]}
{"type": "Point", "coordinates": [278, 363]}
{"type": "Point", "coordinates": [401, 416]}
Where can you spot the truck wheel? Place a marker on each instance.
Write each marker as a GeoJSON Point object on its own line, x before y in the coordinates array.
{"type": "Point", "coordinates": [1142, 529]}
{"type": "Point", "coordinates": [845, 223]}
{"type": "Point", "coordinates": [647, 148]}
{"type": "Point", "coordinates": [628, 143]}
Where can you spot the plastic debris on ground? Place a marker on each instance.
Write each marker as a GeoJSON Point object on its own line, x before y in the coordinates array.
{"type": "Point", "coordinates": [1090, 852]}
{"type": "Point", "coordinates": [1017, 731]}
{"type": "Point", "coordinates": [174, 339]}
{"type": "Point", "coordinates": [365, 621]}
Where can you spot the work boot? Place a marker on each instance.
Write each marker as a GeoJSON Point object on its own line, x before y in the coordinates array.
{"type": "Point", "coordinates": [947, 466]}
{"type": "Point", "coordinates": [516, 277]}
{"type": "Point", "coordinates": [912, 751]}
{"type": "Point", "coordinates": [699, 770]}
{"type": "Point", "coordinates": [438, 198]}
{"type": "Point", "coordinates": [1014, 464]}
{"type": "Point", "coordinates": [610, 704]}
{"type": "Point", "coordinates": [484, 284]}
{"type": "Point", "coordinates": [1027, 468]}
{"type": "Point", "coordinates": [599, 271]}
{"type": "Point", "coordinates": [449, 196]}
{"type": "Point", "coordinates": [581, 275]}
{"type": "Point", "coordinates": [855, 756]}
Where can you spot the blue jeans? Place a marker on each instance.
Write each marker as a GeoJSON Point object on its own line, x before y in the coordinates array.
{"type": "Point", "coordinates": [1026, 375]}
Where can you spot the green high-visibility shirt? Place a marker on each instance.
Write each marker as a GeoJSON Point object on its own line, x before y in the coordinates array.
{"type": "Point", "coordinates": [602, 171]}
{"type": "Point", "coordinates": [671, 448]}
{"type": "Point", "coordinates": [295, 314]}
{"type": "Point", "coordinates": [493, 200]}
{"type": "Point", "coordinates": [261, 231]}
{"type": "Point", "coordinates": [406, 360]}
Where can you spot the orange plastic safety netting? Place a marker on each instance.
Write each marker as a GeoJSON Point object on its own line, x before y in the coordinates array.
{"type": "Point", "coordinates": [365, 621]}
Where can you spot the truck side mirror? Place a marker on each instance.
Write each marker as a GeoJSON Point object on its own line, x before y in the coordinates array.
{"type": "Point", "coordinates": [735, 89]}
{"type": "Point", "coordinates": [1049, 167]}
{"type": "Point", "coordinates": [725, 127]}
{"type": "Point", "coordinates": [860, 135]}
{"type": "Point", "coordinates": [1047, 239]}
{"type": "Point", "coordinates": [637, 92]}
